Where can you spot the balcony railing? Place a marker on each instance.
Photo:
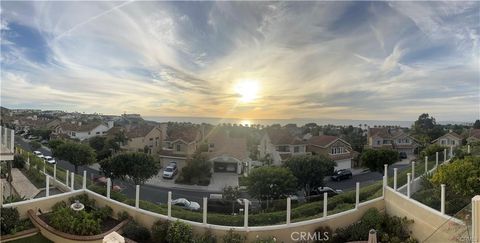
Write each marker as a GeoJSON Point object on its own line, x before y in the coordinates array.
{"type": "Point", "coordinates": [6, 143]}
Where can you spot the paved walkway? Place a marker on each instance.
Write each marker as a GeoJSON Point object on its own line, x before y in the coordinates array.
{"type": "Point", "coordinates": [22, 185]}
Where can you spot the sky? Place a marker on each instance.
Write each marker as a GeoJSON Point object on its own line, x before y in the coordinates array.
{"type": "Point", "coordinates": [257, 60]}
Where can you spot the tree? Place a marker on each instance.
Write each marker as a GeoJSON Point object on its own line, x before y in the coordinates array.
{"type": "Point", "coordinates": [375, 159]}
{"type": "Point", "coordinates": [476, 125]}
{"type": "Point", "coordinates": [197, 170]}
{"type": "Point", "coordinates": [231, 193]}
{"type": "Point", "coordinates": [75, 153]}
{"type": "Point", "coordinates": [43, 133]}
{"type": "Point", "coordinates": [310, 170]}
{"type": "Point", "coordinates": [461, 176]}
{"type": "Point", "coordinates": [35, 145]}
{"type": "Point", "coordinates": [97, 143]}
{"type": "Point", "coordinates": [54, 143]}
{"type": "Point", "coordinates": [425, 129]}
{"type": "Point", "coordinates": [266, 183]}
{"type": "Point", "coordinates": [139, 167]}
{"type": "Point", "coordinates": [432, 149]}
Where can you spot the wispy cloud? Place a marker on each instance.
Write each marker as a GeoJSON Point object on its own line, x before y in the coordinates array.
{"type": "Point", "coordinates": [365, 60]}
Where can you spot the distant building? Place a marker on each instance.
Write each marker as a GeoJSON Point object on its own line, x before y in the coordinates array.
{"type": "Point", "coordinates": [391, 138]}
{"type": "Point", "coordinates": [473, 136]}
{"type": "Point", "coordinates": [335, 148]}
{"type": "Point", "coordinates": [179, 145]}
{"type": "Point", "coordinates": [279, 145]}
{"type": "Point", "coordinates": [227, 153]}
{"type": "Point", "coordinates": [450, 139]}
{"type": "Point", "coordinates": [82, 131]}
{"type": "Point", "coordinates": [143, 138]}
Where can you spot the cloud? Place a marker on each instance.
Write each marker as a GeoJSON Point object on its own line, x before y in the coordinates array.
{"type": "Point", "coordinates": [358, 60]}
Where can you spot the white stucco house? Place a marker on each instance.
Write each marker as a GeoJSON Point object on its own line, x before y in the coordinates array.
{"type": "Point", "coordinates": [82, 131]}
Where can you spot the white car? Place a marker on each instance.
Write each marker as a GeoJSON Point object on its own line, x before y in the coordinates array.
{"type": "Point", "coordinates": [49, 159]}
{"type": "Point", "coordinates": [169, 172]}
{"type": "Point", "coordinates": [184, 203]}
{"type": "Point", "coordinates": [38, 154]}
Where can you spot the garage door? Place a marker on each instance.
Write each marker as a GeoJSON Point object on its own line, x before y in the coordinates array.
{"type": "Point", "coordinates": [225, 167]}
{"type": "Point", "coordinates": [343, 164]}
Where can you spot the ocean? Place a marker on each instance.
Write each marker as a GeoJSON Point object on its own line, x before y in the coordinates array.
{"type": "Point", "coordinates": [298, 121]}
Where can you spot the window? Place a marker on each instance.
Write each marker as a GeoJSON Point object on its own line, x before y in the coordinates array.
{"type": "Point", "coordinates": [453, 142]}
{"type": "Point", "coordinates": [211, 145]}
{"type": "Point", "coordinates": [88, 133]}
{"type": "Point", "coordinates": [151, 139]}
{"type": "Point", "coordinates": [399, 140]}
{"type": "Point", "coordinates": [407, 140]}
{"type": "Point", "coordinates": [97, 133]}
{"type": "Point", "coordinates": [296, 149]}
{"type": "Point", "coordinates": [179, 147]}
{"type": "Point", "coordinates": [338, 150]}
{"type": "Point", "coordinates": [378, 142]}
{"type": "Point", "coordinates": [443, 142]}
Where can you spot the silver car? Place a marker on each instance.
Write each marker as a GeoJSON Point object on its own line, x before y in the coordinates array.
{"type": "Point", "coordinates": [184, 203]}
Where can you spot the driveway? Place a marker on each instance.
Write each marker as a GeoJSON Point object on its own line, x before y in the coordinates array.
{"type": "Point", "coordinates": [217, 182]}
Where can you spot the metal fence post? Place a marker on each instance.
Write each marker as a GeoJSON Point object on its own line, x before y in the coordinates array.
{"type": "Point", "coordinates": [72, 180]}
{"type": "Point", "coordinates": [55, 172]}
{"type": "Point", "coordinates": [245, 213]}
{"type": "Point", "coordinates": [67, 174]}
{"type": "Point", "coordinates": [205, 201]}
{"type": "Point", "coordinates": [395, 172]}
{"type": "Point", "coordinates": [325, 204]}
{"type": "Point", "coordinates": [289, 208]}
{"type": "Point", "coordinates": [468, 148]}
{"type": "Point", "coordinates": [84, 182]}
{"type": "Point", "coordinates": [444, 155]}
{"type": "Point", "coordinates": [442, 198]}
{"type": "Point", "coordinates": [47, 186]}
{"type": "Point", "coordinates": [426, 165]}
{"type": "Point", "coordinates": [476, 219]}
{"type": "Point", "coordinates": [109, 186]}
{"type": "Point", "coordinates": [413, 170]}
{"type": "Point", "coordinates": [137, 196]}
{"type": "Point", "coordinates": [436, 160]}
{"type": "Point", "coordinates": [357, 194]}
{"type": "Point", "coordinates": [169, 204]}
{"type": "Point", "coordinates": [408, 184]}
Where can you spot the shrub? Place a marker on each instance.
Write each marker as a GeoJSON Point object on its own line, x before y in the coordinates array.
{"type": "Point", "coordinates": [13, 198]}
{"type": "Point", "coordinates": [207, 237]}
{"type": "Point", "coordinates": [78, 223]}
{"type": "Point", "coordinates": [382, 223]}
{"type": "Point", "coordinates": [102, 213]}
{"type": "Point", "coordinates": [233, 237]}
{"type": "Point", "coordinates": [18, 162]}
{"type": "Point", "coordinates": [123, 215]}
{"type": "Point", "coordinates": [160, 230]}
{"type": "Point", "coordinates": [179, 232]}
{"type": "Point", "coordinates": [323, 234]}
{"type": "Point", "coordinates": [9, 219]}
{"type": "Point", "coordinates": [136, 232]}
{"type": "Point", "coordinates": [269, 239]}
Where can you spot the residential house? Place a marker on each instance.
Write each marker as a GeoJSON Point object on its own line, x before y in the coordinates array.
{"type": "Point", "coordinates": [227, 153]}
{"type": "Point", "coordinates": [82, 131]}
{"type": "Point", "coordinates": [144, 137]}
{"type": "Point", "coordinates": [279, 145]}
{"type": "Point", "coordinates": [450, 139]}
{"type": "Point", "coordinates": [391, 138]}
{"type": "Point", "coordinates": [335, 148]}
{"type": "Point", "coordinates": [473, 136]}
{"type": "Point", "coordinates": [179, 145]}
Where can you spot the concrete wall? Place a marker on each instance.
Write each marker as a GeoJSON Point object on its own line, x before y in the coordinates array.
{"type": "Point", "coordinates": [427, 221]}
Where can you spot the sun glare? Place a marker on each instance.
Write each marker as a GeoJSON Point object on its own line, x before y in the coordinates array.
{"type": "Point", "coordinates": [247, 89]}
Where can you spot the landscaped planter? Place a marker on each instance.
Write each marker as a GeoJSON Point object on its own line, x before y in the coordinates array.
{"type": "Point", "coordinates": [19, 235]}
{"type": "Point", "coordinates": [58, 236]}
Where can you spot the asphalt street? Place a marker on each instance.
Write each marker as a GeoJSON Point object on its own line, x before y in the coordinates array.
{"type": "Point", "coordinates": [158, 193]}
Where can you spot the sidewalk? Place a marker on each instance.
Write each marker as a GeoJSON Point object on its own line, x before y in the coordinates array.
{"type": "Point", "coordinates": [22, 185]}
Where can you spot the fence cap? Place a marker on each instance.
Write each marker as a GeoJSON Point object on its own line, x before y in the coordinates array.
{"type": "Point", "coordinates": [476, 198]}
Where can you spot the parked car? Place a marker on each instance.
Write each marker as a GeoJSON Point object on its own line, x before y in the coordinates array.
{"type": "Point", "coordinates": [318, 192]}
{"type": "Point", "coordinates": [402, 155]}
{"type": "Point", "coordinates": [49, 159]}
{"type": "Point", "coordinates": [173, 164]}
{"type": "Point", "coordinates": [38, 154]}
{"type": "Point", "coordinates": [341, 175]}
{"type": "Point", "coordinates": [184, 203]}
{"type": "Point", "coordinates": [170, 172]}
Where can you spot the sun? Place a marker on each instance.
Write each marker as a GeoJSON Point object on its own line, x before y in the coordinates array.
{"type": "Point", "coordinates": [247, 89]}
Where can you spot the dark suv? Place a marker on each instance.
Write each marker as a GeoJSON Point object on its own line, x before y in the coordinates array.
{"type": "Point", "coordinates": [341, 175]}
